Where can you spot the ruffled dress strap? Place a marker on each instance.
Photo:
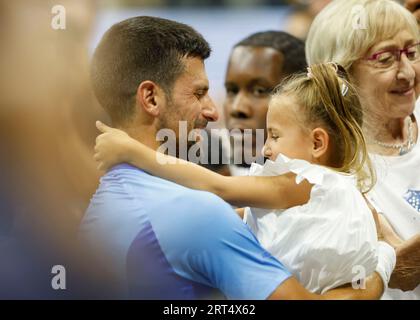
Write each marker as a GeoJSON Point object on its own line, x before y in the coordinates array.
{"type": "Point", "coordinates": [304, 170]}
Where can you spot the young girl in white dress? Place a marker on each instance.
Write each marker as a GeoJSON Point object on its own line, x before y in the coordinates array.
{"type": "Point", "coordinates": [305, 204]}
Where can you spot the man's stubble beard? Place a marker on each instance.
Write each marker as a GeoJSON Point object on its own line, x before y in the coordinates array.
{"type": "Point", "coordinates": [171, 120]}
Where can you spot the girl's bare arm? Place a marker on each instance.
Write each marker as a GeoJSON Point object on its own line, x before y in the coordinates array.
{"type": "Point", "coordinates": [276, 192]}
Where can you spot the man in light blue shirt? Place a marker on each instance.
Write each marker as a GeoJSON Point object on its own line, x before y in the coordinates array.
{"type": "Point", "coordinates": [163, 240]}
{"type": "Point", "coordinates": [163, 235]}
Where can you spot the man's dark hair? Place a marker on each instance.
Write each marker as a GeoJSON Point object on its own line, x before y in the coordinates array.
{"type": "Point", "coordinates": [292, 48]}
{"type": "Point", "coordinates": [139, 49]}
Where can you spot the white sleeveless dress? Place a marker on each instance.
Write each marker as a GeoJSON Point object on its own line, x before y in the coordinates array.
{"type": "Point", "coordinates": [329, 241]}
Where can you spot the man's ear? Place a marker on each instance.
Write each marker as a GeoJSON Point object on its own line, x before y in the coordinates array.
{"type": "Point", "coordinates": [150, 97]}
{"type": "Point", "coordinates": [320, 143]}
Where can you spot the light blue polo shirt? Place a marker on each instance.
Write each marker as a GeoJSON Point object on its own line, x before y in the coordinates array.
{"type": "Point", "coordinates": [171, 242]}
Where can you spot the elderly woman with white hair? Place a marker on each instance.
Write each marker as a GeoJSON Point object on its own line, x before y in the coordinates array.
{"type": "Point", "coordinates": [378, 43]}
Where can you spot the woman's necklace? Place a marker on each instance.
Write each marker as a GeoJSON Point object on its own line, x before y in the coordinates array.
{"type": "Point", "coordinates": [402, 147]}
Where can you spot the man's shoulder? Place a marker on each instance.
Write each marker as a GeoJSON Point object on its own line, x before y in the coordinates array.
{"type": "Point", "coordinates": [130, 179]}
{"type": "Point", "coordinates": [201, 202]}
{"type": "Point", "coordinates": [163, 193]}
{"type": "Point", "coordinates": [124, 169]}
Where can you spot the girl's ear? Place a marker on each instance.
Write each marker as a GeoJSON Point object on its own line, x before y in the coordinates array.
{"type": "Point", "coordinates": [320, 143]}
{"type": "Point", "coordinates": [150, 98]}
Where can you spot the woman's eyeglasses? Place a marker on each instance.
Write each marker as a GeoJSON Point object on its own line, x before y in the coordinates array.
{"type": "Point", "coordinates": [389, 58]}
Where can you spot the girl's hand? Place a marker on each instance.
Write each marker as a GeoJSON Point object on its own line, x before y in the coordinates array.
{"type": "Point", "coordinates": [112, 146]}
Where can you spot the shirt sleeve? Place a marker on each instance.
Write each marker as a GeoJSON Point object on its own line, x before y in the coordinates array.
{"type": "Point", "coordinates": [223, 253]}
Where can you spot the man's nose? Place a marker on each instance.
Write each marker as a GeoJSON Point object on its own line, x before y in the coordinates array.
{"type": "Point", "coordinates": [406, 70]}
{"type": "Point", "coordinates": [240, 107]}
{"type": "Point", "coordinates": [210, 111]}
